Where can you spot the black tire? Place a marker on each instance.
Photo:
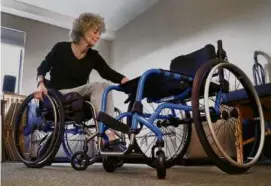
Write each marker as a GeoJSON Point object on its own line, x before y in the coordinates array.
{"type": "Point", "coordinates": [55, 139]}
{"type": "Point", "coordinates": [82, 157]}
{"type": "Point", "coordinates": [267, 147]}
{"type": "Point", "coordinates": [169, 162]}
{"type": "Point", "coordinates": [120, 162]}
{"type": "Point", "coordinates": [198, 83]}
{"type": "Point", "coordinates": [161, 165]}
{"type": "Point", "coordinates": [110, 163]}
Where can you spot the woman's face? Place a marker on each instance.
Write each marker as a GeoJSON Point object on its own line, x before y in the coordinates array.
{"type": "Point", "coordinates": [92, 36]}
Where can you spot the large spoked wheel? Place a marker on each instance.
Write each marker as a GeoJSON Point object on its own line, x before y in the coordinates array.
{"type": "Point", "coordinates": [176, 139]}
{"type": "Point", "coordinates": [230, 128]}
{"type": "Point", "coordinates": [38, 130]}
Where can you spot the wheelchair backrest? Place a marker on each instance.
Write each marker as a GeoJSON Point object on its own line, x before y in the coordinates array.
{"type": "Point", "coordinates": [190, 63]}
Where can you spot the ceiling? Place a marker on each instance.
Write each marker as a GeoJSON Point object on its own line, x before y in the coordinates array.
{"type": "Point", "coordinates": [61, 13]}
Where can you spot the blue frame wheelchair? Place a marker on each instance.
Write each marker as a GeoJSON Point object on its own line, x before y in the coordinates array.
{"type": "Point", "coordinates": [199, 85]}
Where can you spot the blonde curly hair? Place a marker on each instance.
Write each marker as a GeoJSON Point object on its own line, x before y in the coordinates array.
{"type": "Point", "coordinates": [85, 22]}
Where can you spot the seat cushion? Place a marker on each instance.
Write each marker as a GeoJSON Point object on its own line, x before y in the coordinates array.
{"type": "Point", "coordinates": [159, 86]}
{"type": "Point", "coordinates": [75, 107]}
{"type": "Point", "coordinates": [156, 86]}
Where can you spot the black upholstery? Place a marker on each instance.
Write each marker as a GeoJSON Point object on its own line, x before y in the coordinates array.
{"type": "Point", "coordinates": [75, 107]}
{"type": "Point", "coordinates": [190, 63]}
{"type": "Point", "coordinates": [158, 86]}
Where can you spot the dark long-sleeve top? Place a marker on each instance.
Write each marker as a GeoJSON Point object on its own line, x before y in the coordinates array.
{"type": "Point", "coordinates": [67, 71]}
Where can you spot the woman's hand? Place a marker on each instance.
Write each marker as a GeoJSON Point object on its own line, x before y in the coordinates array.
{"type": "Point", "coordinates": [124, 80]}
{"type": "Point", "coordinates": [40, 90]}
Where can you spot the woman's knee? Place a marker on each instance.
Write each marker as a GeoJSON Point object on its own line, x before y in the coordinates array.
{"type": "Point", "coordinates": [99, 86]}
{"type": "Point", "coordinates": [105, 84]}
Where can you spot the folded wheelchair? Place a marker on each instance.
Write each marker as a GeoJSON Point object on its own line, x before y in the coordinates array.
{"type": "Point", "coordinates": [201, 88]}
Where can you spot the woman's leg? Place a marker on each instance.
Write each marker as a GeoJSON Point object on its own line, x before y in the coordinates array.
{"type": "Point", "coordinates": [94, 91]}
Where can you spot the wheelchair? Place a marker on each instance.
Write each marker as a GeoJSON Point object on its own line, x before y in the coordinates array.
{"type": "Point", "coordinates": [42, 126]}
{"type": "Point", "coordinates": [264, 91]}
{"type": "Point", "coordinates": [210, 92]}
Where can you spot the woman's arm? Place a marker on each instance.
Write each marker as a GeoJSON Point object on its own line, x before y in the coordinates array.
{"type": "Point", "coordinates": [107, 72]}
{"type": "Point", "coordinates": [46, 64]}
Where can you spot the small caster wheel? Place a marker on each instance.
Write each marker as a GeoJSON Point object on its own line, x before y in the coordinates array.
{"type": "Point", "coordinates": [110, 163]}
{"type": "Point", "coordinates": [80, 160]}
{"type": "Point", "coordinates": [120, 162]}
{"type": "Point", "coordinates": [161, 165]}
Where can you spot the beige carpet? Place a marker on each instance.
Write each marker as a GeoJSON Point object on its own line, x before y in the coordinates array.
{"type": "Point", "coordinates": [129, 175]}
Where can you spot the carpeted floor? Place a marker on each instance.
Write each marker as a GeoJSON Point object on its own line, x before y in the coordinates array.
{"type": "Point", "coordinates": [129, 175]}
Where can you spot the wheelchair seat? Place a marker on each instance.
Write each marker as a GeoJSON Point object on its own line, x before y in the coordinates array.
{"type": "Point", "coordinates": [159, 86]}
{"type": "Point", "coordinates": [74, 105]}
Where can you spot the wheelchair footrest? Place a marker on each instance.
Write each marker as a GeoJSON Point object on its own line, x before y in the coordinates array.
{"type": "Point", "coordinates": [112, 122]}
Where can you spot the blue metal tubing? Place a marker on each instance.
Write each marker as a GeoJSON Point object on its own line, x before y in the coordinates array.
{"type": "Point", "coordinates": [168, 105]}
{"type": "Point", "coordinates": [158, 117]}
{"type": "Point", "coordinates": [179, 97]}
{"type": "Point", "coordinates": [119, 117]}
{"type": "Point", "coordinates": [218, 101]}
{"type": "Point", "coordinates": [142, 120]}
{"type": "Point", "coordinates": [74, 131]}
{"type": "Point", "coordinates": [149, 122]}
{"type": "Point", "coordinates": [151, 126]}
{"type": "Point", "coordinates": [122, 115]}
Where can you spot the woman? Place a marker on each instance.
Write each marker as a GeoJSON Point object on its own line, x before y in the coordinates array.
{"type": "Point", "coordinates": [70, 64]}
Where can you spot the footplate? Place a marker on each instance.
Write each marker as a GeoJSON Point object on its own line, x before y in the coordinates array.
{"type": "Point", "coordinates": [112, 122]}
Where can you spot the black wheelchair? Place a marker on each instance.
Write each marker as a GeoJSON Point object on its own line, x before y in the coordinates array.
{"type": "Point", "coordinates": [43, 126]}
{"type": "Point", "coordinates": [201, 88]}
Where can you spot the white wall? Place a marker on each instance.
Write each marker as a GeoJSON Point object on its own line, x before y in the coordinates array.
{"type": "Point", "coordinates": [176, 27]}
{"type": "Point", "coordinates": [40, 38]}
